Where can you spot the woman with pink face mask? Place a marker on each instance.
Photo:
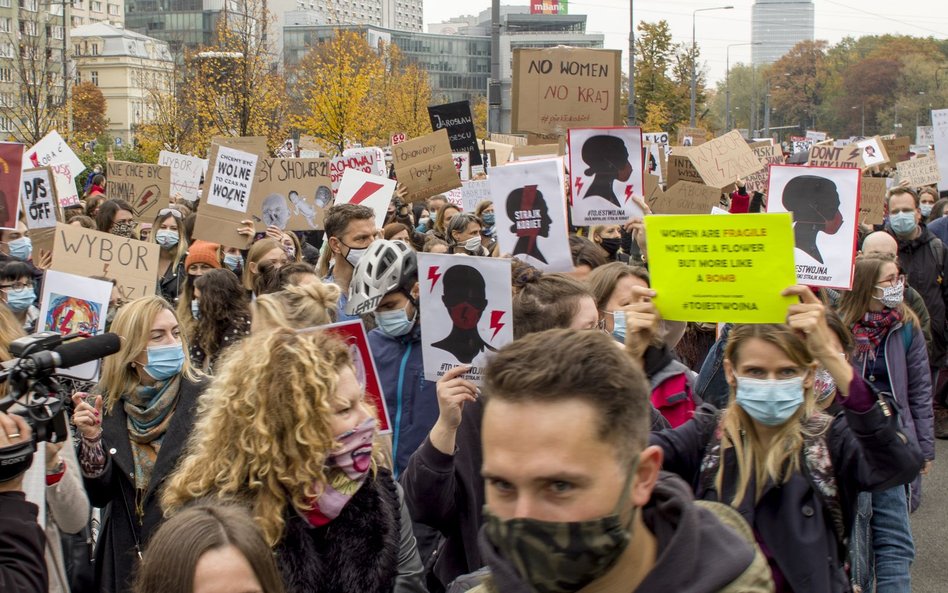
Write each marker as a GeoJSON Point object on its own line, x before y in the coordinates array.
{"type": "Point", "coordinates": [286, 431]}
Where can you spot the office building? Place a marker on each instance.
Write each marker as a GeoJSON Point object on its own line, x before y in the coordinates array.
{"type": "Point", "coordinates": [87, 12]}
{"type": "Point", "coordinates": [128, 68]}
{"type": "Point", "coordinates": [778, 25]}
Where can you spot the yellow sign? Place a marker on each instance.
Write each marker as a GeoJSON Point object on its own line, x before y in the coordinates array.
{"type": "Point", "coordinates": [722, 268]}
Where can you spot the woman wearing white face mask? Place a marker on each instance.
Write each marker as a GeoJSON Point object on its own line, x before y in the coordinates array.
{"type": "Point", "coordinates": [791, 471]}
{"type": "Point", "coordinates": [464, 235]}
{"type": "Point", "coordinates": [132, 431]}
{"type": "Point", "coordinates": [891, 355]}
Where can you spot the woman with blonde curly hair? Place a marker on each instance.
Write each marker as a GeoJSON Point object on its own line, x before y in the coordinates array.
{"type": "Point", "coordinates": [285, 429]}
{"type": "Point", "coordinates": [132, 430]}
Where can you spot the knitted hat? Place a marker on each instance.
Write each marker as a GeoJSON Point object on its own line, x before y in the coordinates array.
{"type": "Point", "coordinates": [203, 252]}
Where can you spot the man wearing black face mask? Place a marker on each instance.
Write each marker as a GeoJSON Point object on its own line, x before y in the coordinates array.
{"type": "Point", "coordinates": [575, 500]}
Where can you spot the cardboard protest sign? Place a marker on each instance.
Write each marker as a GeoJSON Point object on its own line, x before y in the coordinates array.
{"type": "Point", "coordinates": [353, 334]}
{"type": "Point", "coordinates": [226, 199]}
{"type": "Point", "coordinates": [557, 88]}
{"type": "Point", "coordinates": [291, 194]}
{"type": "Point", "coordinates": [73, 304]}
{"type": "Point", "coordinates": [38, 197]}
{"type": "Point", "coordinates": [462, 162]}
{"type": "Point", "coordinates": [813, 136]}
{"type": "Point", "coordinates": [131, 263]}
{"type": "Point", "coordinates": [511, 139]}
{"type": "Point", "coordinates": [940, 142]}
{"type": "Point", "coordinates": [692, 136]}
{"type": "Point", "coordinates": [11, 168]}
{"type": "Point", "coordinates": [873, 152]}
{"type": "Point", "coordinates": [846, 157]}
{"type": "Point", "coordinates": [254, 144]}
{"type": "Point", "coordinates": [924, 135]}
{"type": "Point", "coordinates": [768, 154]}
{"type": "Point", "coordinates": [468, 312]}
{"type": "Point", "coordinates": [502, 152]}
{"type": "Point", "coordinates": [897, 149]}
{"type": "Point", "coordinates": [680, 168]}
{"type": "Point", "coordinates": [724, 160]}
{"type": "Point", "coordinates": [186, 174]}
{"type": "Point", "coordinates": [53, 150]}
{"type": "Point", "coordinates": [606, 171]}
{"type": "Point", "coordinates": [473, 193]}
{"type": "Point", "coordinates": [728, 269]}
{"type": "Point", "coordinates": [456, 118]}
{"type": "Point", "coordinates": [687, 198]}
{"type": "Point", "coordinates": [425, 167]}
{"type": "Point", "coordinates": [919, 172]}
{"type": "Point", "coordinates": [653, 191]}
{"type": "Point", "coordinates": [368, 160]}
{"type": "Point", "coordinates": [655, 137]}
{"type": "Point", "coordinates": [147, 188]}
{"type": "Point", "coordinates": [364, 189]}
{"type": "Point", "coordinates": [872, 191]}
{"type": "Point", "coordinates": [825, 206]}
{"type": "Point", "coordinates": [530, 209]}
{"type": "Point", "coordinates": [536, 152]}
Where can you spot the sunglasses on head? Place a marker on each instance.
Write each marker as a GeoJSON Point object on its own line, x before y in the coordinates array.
{"type": "Point", "coordinates": [171, 211]}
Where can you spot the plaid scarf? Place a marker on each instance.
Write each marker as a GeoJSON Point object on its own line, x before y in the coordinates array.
{"type": "Point", "coordinates": [149, 411]}
{"type": "Point", "coordinates": [872, 328]}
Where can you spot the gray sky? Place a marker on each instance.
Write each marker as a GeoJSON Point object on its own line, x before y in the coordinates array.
{"type": "Point", "coordinates": [716, 30]}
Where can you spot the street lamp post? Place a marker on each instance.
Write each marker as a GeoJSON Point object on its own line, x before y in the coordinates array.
{"type": "Point", "coordinates": [727, 82]}
{"type": "Point", "coordinates": [631, 63]}
{"type": "Point", "coordinates": [863, 107]}
{"type": "Point", "coordinates": [694, 49]}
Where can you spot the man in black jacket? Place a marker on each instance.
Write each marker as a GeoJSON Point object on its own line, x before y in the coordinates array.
{"type": "Point", "coordinates": [22, 543]}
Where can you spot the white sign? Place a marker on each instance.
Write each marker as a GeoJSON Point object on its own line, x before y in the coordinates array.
{"type": "Point", "coordinates": [530, 211]}
{"type": "Point", "coordinates": [940, 141]}
{"type": "Point", "coordinates": [455, 198]}
{"type": "Point", "coordinates": [924, 135]}
{"type": "Point", "coordinates": [653, 162]}
{"type": "Point", "coordinates": [473, 193]}
{"type": "Point", "coordinates": [365, 189]}
{"type": "Point", "coordinates": [38, 198]}
{"type": "Point", "coordinates": [606, 171]}
{"type": "Point", "coordinates": [468, 311]}
{"type": "Point", "coordinates": [234, 172]}
{"type": "Point", "coordinates": [462, 162]}
{"type": "Point", "coordinates": [825, 206]}
{"type": "Point", "coordinates": [368, 160]}
{"type": "Point", "coordinates": [655, 137]}
{"type": "Point", "coordinates": [872, 152]}
{"type": "Point", "coordinates": [52, 150]}
{"type": "Point", "coordinates": [186, 173]}
{"type": "Point", "coordinates": [815, 137]}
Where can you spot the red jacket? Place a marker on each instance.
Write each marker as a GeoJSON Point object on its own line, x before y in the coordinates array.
{"type": "Point", "coordinates": [740, 202]}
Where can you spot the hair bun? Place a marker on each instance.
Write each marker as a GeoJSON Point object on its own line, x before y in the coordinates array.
{"type": "Point", "coordinates": [523, 273]}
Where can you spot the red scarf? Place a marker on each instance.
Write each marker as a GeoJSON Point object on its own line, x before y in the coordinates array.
{"type": "Point", "coordinates": [872, 328]}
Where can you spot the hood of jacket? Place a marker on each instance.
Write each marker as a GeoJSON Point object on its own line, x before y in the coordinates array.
{"type": "Point", "coordinates": [696, 553]}
{"type": "Point", "coordinates": [921, 241]}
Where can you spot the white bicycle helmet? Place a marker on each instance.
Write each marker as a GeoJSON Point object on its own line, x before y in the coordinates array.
{"type": "Point", "coordinates": [387, 266]}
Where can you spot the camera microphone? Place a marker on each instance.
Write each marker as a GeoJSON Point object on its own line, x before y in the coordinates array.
{"type": "Point", "coordinates": [72, 354]}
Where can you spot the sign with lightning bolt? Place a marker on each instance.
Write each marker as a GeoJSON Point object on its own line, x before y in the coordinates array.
{"type": "Point", "coordinates": [468, 308]}
{"type": "Point", "coordinates": [607, 175]}
{"type": "Point", "coordinates": [365, 189]}
{"type": "Point", "coordinates": [147, 188]}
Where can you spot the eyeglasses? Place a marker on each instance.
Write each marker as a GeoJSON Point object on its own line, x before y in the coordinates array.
{"type": "Point", "coordinates": [166, 211]}
{"type": "Point", "coordinates": [18, 286]}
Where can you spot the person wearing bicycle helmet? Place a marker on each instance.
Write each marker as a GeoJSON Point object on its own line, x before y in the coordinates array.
{"type": "Point", "coordinates": [385, 285]}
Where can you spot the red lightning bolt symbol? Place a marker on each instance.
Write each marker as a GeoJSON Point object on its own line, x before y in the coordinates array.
{"type": "Point", "coordinates": [65, 322]}
{"type": "Point", "coordinates": [145, 197]}
{"type": "Point", "coordinates": [368, 188]}
{"type": "Point", "coordinates": [628, 192]}
{"type": "Point", "coordinates": [578, 184]}
{"type": "Point", "coordinates": [495, 324]}
{"type": "Point", "coordinates": [433, 275]}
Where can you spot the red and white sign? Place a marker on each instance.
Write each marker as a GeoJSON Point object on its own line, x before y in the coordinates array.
{"type": "Point", "coordinates": [365, 189]}
{"type": "Point", "coordinates": [398, 138]}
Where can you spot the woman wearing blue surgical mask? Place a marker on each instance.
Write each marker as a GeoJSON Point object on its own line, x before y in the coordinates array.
{"type": "Point", "coordinates": [891, 355]}
{"type": "Point", "coordinates": [791, 471]}
{"type": "Point", "coordinates": [17, 291]}
{"type": "Point", "coordinates": [166, 233]}
{"type": "Point", "coordinates": [485, 212]}
{"type": "Point", "coordinates": [16, 243]}
{"type": "Point", "coordinates": [133, 428]}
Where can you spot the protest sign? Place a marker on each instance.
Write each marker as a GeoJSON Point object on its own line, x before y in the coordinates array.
{"type": "Point", "coordinates": [473, 193]}
{"type": "Point", "coordinates": [468, 312]}
{"type": "Point", "coordinates": [425, 166]}
{"type": "Point", "coordinates": [924, 135]}
{"type": "Point", "coordinates": [919, 172]}
{"type": "Point", "coordinates": [606, 171]}
{"type": "Point", "coordinates": [687, 198]}
{"type": "Point", "coordinates": [536, 152]}
{"type": "Point", "coordinates": [462, 162]}
{"type": "Point", "coordinates": [456, 118]}
{"type": "Point", "coordinates": [287, 149]}
{"type": "Point", "coordinates": [53, 150]}
{"type": "Point", "coordinates": [397, 138]}
{"type": "Point", "coordinates": [800, 144]}
{"type": "Point", "coordinates": [558, 88]}
{"type": "Point", "coordinates": [728, 269]}
{"type": "Point", "coordinates": [226, 198]}
{"type": "Point", "coordinates": [815, 137]}
{"type": "Point", "coordinates": [872, 191]}
{"type": "Point", "coordinates": [655, 137]}
{"type": "Point", "coordinates": [940, 142]}
{"type": "Point", "coordinates": [147, 188]}
{"type": "Point", "coordinates": [313, 144]}
{"type": "Point", "coordinates": [74, 304]}
{"type": "Point", "coordinates": [692, 136]}
{"type": "Point", "coordinates": [680, 168]}
{"type": "Point", "coordinates": [131, 263]}
{"type": "Point", "coordinates": [353, 335]}
{"type": "Point", "coordinates": [653, 191]}
{"type": "Point", "coordinates": [768, 154]}
{"type": "Point", "coordinates": [186, 174]}
{"type": "Point", "coordinates": [655, 160]}
{"type": "Point", "coordinates": [368, 190]}
{"type": "Point", "coordinates": [253, 144]}
{"type": "Point", "coordinates": [369, 160]}
{"type": "Point", "coordinates": [897, 149]}
{"type": "Point", "coordinates": [825, 206]}
{"type": "Point", "coordinates": [873, 152]}
{"type": "Point", "coordinates": [291, 194]}
{"type": "Point", "coordinates": [846, 157]}
{"type": "Point", "coordinates": [724, 160]}
{"type": "Point", "coordinates": [501, 151]}
{"type": "Point", "coordinates": [511, 139]}
{"type": "Point", "coordinates": [11, 168]}
{"type": "Point", "coordinates": [455, 197]}
{"type": "Point", "coordinates": [920, 149]}
{"type": "Point", "coordinates": [530, 209]}
{"type": "Point", "coordinates": [38, 197]}
{"type": "Point", "coordinates": [66, 191]}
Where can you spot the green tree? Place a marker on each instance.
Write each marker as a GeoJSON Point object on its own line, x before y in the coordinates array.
{"type": "Point", "coordinates": [797, 82]}
{"type": "Point", "coordinates": [88, 113]}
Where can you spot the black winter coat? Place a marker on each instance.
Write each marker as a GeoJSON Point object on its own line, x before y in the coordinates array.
{"type": "Point", "coordinates": [22, 546]}
{"type": "Point", "coordinates": [868, 452]}
{"type": "Point", "coordinates": [122, 534]}
{"type": "Point", "coordinates": [930, 278]}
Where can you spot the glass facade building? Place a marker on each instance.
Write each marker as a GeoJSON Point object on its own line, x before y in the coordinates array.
{"type": "Point", "coordinates": [778, 25]}
{"type": "Point", "coordinates": [184, 24]}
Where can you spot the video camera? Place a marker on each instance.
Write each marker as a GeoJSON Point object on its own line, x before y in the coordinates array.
{"type": "Point", "coordinates": [34, 390]}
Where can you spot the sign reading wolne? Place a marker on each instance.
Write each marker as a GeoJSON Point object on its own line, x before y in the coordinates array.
{"type": "Point", "coordinates": [728, 269]}
{"type": "Point", "coordinates": [232, 179]}
{"type": "Point", "coordinates": [558, 88]}
{"type": "Point", "coordinates": [457, 119]}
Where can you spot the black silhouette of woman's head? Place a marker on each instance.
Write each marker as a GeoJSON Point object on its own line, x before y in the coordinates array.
{"type": "Point", "coordinates": [814, 202]}
{"type": "Point", "coordinates": [530, 215]}
{"type": "Point", "coordinates": [465, 296]}
{"type": "Point", "coordinates": [607, 156]}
